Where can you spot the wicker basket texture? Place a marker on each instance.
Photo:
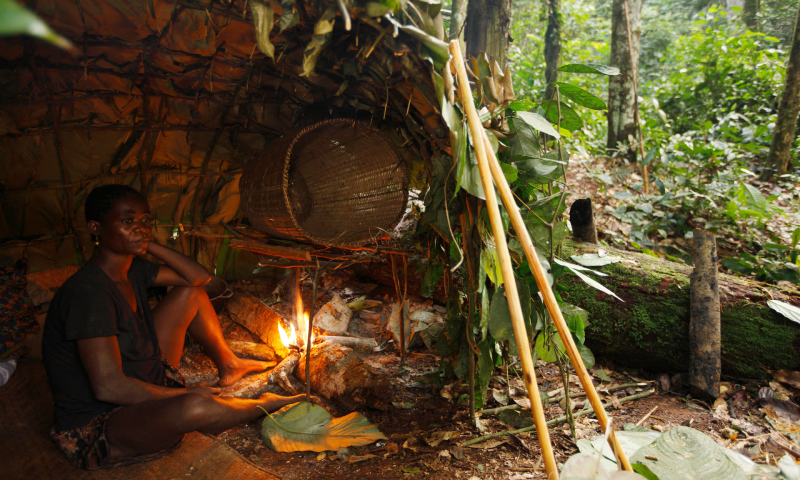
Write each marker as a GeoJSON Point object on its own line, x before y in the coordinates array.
{"type": "Point", "coordinates": [338, 182]}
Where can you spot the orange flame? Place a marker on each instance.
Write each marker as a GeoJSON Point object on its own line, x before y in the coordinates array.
{"type": "Point", "coordinates": [287, 340]}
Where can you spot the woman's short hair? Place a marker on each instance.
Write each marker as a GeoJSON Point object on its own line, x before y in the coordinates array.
{"type": "Point", "coordinates": [101, 200]}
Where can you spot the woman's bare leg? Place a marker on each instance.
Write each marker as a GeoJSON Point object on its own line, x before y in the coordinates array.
{"type": "Point", "coordinates": [157, 425]}
{"type": "Point", "coordinates": [189, 309]}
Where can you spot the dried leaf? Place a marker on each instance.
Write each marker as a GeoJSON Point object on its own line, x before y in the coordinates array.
{"type": "Point", "coordinates": [262, 21]}
{"type": "Point", "coordinates": [489, 444]}
{"type": "Point", "coordinates": [501, 396]}
{"type": "Point", "coordinates": [359, 458]}
{"type": "Point", "coordinates": [508, 87]}
{"type": "Point", "coordinates": [786, 376]}
{"type": "Point", "coordinates": [306, 427]}
{"type": "Point", "coordinates": [289, 16]}
{"type": "Point", "coordinates": [323, 31]}
{"type": "Point", "coordinates": [435, 438]}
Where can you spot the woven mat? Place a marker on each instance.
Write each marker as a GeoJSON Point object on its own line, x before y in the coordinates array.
{"type": "Point", "coordinates": [27, 452]}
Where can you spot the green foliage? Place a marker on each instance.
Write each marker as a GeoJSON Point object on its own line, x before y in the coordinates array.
{"type": "Point", "coordinates": [18, 20]}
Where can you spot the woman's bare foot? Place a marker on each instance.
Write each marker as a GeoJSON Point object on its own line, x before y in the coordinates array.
{"type": "Point", "coordinates": [231, 373]}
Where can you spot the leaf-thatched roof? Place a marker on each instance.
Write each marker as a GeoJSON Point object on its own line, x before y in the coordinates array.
{"type": "Point", "coordinates": [173, 97]}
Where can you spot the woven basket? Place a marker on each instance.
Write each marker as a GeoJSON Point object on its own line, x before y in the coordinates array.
{"type": "Point", "coordinates": [337, 182]}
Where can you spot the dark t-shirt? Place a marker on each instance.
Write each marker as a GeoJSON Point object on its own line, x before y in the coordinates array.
{"type": "Point", "coordinates": [89, 304]}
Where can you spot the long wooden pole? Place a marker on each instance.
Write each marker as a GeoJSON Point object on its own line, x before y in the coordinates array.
{"type": "Point", "coordinates": [517, 320]}
{"type": "Point", "coordinates": [550, 299]}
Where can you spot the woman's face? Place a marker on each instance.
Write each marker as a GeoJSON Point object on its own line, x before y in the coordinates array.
{"type": "Point", "coordinates": [126, 228]}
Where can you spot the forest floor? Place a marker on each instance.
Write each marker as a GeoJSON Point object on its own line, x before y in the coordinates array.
{"type": "Point", "coordinates": [585, 180]}
{"type": "Point", "coordinates": [417, 410]}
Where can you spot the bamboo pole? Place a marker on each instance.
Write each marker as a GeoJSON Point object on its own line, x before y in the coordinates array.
{"type": "Point", "coordinates": [550, 300]}
{"type": "Point", "coordinates": [517, 321]}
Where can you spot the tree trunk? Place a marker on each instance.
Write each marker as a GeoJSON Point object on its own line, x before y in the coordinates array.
{"type": "Point", "coordinates": [704, 326]}
{"type": "Point", "coordinates": [552, 45]}
{"type": "Point", "coordinates": [779, 160]}
{"type": "Point", "coordinates": [733, 14]}
{"type": "Point", "coordinates": [749, 14]}
{"type": "Point", "coordinates": [621, 121]}
{"type": "Point", "coordinates": [650, 329]}
{"type": "Point", "coordinates": [487, 28]}
{"type": "Point", "coordinates": [457, 17]}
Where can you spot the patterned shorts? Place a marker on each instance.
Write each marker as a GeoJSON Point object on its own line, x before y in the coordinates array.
{"type": "Point", "coordinates": [87, 447]}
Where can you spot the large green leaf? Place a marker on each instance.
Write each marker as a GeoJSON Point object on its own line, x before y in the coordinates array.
{"type": "Point", "coordinates": [570, 119]}
{"type": "Point", "coordinates": [469, 175]}
{"type": "Point", "coordinates": [576, 320]}
{"type": "Point", "coordinates": [524, 142]}
{"type": "Point", "coordinates": [754, 197]}
{"type": "Point", "coordinates": [539, 123]}
{"type": "Point", "coordinates": [544, 209]}
{"type": "Point", "coordinates": [685, 453]}
{"type": "Point", "coordinates": [323, 30]}
{"type": "Point", "coordinates": [581, 96]}
{"type": "Point", "coordinates": [305, 427]}
{"type": "Point", "coordinates": [547, 349]}
{"type": "Point", "coordinates": [484, 367]}
{"type": "Point", "coordinates": [588, 68]}
{"type": "Point", "coordinates": [595, 260]}
{"type": "Point", "coordinates": [18, 20]}
{"type": "Point", "coordinates": [789, 311]}
{"type": "Point", "coordinates": [540, 234]}
{"type": "Point", "coordinates": [262, 21]}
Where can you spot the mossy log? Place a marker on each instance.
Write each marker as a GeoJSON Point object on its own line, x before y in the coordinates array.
{"type": "Point", "coordinates": [650, 329]}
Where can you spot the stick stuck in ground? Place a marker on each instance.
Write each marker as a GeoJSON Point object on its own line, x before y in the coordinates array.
{"type": "Point", "coordinates": [517, 321]}
{"type": "Point", "coordinates": [550, 300]}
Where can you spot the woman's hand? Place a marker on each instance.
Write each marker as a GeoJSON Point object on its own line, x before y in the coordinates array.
{"type": "Point", "coordinates": [179, 271]}
{"type": "Point", "coordinates": [203, 389]}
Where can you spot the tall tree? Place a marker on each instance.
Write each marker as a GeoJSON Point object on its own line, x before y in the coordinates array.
{"type": "Point", "coordinates": [552, 44]}
{"type": "Point", "coordinates": [487, 26]}
{"type": "Point", "coordinates": [621, 120]}
{"type": "Point", "coordinates": [750, 14]}
{"type": "Point", "coordinates": [779, 160]}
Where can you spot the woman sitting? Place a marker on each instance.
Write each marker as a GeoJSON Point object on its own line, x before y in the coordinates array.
{"type": "Point", "coordinates": [111, 361]}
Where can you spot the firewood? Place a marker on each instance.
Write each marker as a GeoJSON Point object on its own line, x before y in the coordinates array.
{"type": "Point", "coordinates": [337, 371]}
{"type": "Point", "coordinates": [281, 374]}
{"type": "Point", "coordinates": [257, 351]}
{"type": "Point", "coordinates": [356, 343]}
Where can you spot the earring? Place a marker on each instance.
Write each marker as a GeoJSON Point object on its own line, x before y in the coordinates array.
{"type": "Point", "coordinates": [96, 240]}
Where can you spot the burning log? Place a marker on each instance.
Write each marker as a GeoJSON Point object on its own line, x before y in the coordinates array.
{"type": "Point", "coordinates": [356, 343]}
{"type": "Point", "coordinates": [251, 313]}
{"type": "Point", "coordinates": [336, 371]}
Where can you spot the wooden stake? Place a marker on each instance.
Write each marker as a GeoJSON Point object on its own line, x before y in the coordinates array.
{"type": "Point", "coordinates": [517, 321]}
{"type": "Point", "coordinates": [298, 298]}
{"type": "Point", "coordinates": [310, 328]}
{"type": "Point", "coordinates": [550, 300]}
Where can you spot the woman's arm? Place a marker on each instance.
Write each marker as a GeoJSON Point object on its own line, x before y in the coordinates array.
{"type": "Point", "coordinates": [103, 363]}
{"type": "Point", "coordinates": [179, 271]}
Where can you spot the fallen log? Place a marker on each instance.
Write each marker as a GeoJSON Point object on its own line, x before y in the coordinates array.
{"type": "Point", "coordinates": [650, 329]}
